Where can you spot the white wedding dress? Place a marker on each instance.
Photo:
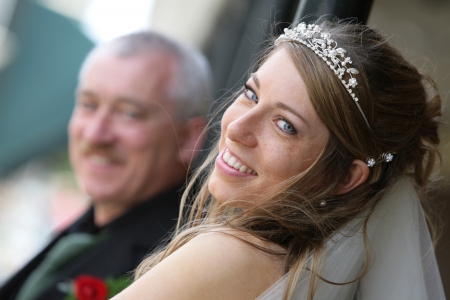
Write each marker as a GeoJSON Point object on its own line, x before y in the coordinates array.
{"type": "Point", "coordinates": [402, 267]}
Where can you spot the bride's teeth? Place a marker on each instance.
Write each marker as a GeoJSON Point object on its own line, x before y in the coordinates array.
{"type": "Point", "coordinates": [234, 163]}
{"type": "Point", "coordinates": [231, 161]}
{"type": "Point", "coordinates": [226, 156]}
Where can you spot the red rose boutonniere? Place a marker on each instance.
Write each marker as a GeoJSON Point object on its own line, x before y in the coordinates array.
{"type": "Point", "coordinates": [87, 287]}
{"type": "Point", "coordinates": [90, 288]}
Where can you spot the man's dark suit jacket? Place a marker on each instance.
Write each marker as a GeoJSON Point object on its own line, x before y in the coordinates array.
{"type": "Point", "coordinates": [130, 238]}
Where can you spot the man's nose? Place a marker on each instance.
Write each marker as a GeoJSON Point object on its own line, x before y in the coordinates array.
{"type": "Point", "coordinates": [99, 129]}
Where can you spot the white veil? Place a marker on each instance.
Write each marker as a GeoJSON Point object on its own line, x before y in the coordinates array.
{"type": "Point", "coordinates": [402, 266]}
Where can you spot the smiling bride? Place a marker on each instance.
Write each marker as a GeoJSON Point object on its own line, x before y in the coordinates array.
{"type": "Point", "coordinates": [316, 188]}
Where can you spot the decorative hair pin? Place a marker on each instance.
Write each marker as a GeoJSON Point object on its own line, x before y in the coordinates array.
{"type": "Point", "coordinates": [385, 157]}
{"type": "Point", "coordinates": [326, 48]}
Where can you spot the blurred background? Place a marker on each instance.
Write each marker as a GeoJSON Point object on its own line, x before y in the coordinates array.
{"type": "Point", "coordinates": [43, 43]}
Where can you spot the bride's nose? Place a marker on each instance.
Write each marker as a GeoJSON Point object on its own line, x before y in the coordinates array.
{"type": "Point", "coordinates": [244, 129]}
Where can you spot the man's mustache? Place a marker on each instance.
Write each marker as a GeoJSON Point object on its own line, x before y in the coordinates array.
{"type": "Point", "coordinates": [108, 151]}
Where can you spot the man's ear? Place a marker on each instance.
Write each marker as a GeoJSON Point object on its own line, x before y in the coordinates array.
{"type": "Point", "coordinates": [192, 139]}
{"type": "Point", "coordinates": [357, 175]}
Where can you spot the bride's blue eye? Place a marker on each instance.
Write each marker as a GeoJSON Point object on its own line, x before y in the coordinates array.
{"type": "Point", "coordinates": [285, 126]}
{"type": "Point", "coordinates": [250, 94]}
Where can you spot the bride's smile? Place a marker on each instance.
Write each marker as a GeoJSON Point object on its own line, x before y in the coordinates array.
{"type": "Point", "coordinates": [230, 164]}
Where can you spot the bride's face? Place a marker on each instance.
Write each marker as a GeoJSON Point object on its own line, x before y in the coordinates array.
{"type": "Point", "coordinates": [270, 133]}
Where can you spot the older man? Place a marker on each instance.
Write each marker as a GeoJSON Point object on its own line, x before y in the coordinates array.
{"type": "Point", "coordinates": [137, 124]}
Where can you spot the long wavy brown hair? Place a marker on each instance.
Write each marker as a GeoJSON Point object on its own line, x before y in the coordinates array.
{"type": "Point", "coordinates": [401, 106]}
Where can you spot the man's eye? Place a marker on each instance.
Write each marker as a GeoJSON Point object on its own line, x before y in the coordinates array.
{"type": "Point", "coordinates": [131, 114]}
{"type": "Point", "coordinates": [250, 94]}
{"type": "Point", "coordinates": [88, 105]}
{"type": "Point", "coordinates": [285, 126]}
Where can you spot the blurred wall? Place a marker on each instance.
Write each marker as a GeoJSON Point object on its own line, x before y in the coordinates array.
{"type": "Point", "coordinates": [37, 87]}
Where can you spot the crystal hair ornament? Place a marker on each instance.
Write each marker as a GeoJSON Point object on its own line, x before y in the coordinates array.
{"type": "Point", "coordinates": [385, 157]}
{"type": "Point", "coordinates": [326, 48]}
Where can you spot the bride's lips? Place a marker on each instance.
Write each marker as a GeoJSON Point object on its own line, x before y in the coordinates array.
{"type": "Point", "coordinates": [240, 169]}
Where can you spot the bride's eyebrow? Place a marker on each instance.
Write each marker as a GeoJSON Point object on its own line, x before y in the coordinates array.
{"type": "Point", "coordinates": [255, 79]}
{"type": "Point", "coordinates": [292, 110]}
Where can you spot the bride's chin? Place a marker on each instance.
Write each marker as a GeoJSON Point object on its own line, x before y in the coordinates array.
{"type": "Point", "coordinates": [225, 193]}
{"type": "Point", "coordinates": [214, 188]}
{"type": "Point", "coordinates": [219, 189]}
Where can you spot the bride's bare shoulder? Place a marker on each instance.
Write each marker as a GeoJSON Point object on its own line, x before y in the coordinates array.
{"type": "Point", "coordinates": [219, 264]}
{"type": "Point", "coordinates": [233, 251]}
{"type": "Point", "coordinates": [239, 243]}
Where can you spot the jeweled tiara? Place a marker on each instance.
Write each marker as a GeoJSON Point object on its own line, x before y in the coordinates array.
{"type": "Point", "coordinates": [325, 47]}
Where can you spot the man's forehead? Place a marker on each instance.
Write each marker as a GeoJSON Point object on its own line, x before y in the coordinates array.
{"type": "Point", "coordinates": [150, 69]}
{"type": "Point", "coordinates": [160, 61]}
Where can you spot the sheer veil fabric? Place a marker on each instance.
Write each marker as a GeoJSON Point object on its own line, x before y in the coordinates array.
{"type": "Point", "coordinates": [403, 264]}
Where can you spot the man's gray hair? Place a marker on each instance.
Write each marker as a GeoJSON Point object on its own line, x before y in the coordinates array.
{"type": "Point", "coordinates": [191, 84]}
